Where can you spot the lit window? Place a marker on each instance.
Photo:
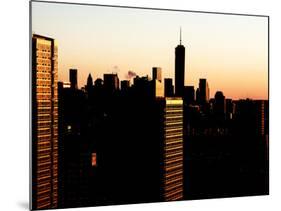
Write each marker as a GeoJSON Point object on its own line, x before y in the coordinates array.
{"type": "Point", "coordinates": [94, 159]}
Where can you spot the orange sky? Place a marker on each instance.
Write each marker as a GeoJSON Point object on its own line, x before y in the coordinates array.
{"type": "Point", "coordinates": [230, 51]}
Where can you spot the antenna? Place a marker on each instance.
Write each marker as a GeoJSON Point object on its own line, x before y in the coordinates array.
{"type": "Point", "coordinates": [180, 35]}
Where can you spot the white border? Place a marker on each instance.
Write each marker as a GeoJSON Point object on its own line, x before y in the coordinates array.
{"type": "Point", "coordinates": [14, 136]}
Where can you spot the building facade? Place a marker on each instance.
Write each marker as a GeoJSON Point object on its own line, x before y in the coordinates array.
{"type": "Point", "coordinates": [173, 149]}
{"type": "Point", "coordinates": [44, 122]}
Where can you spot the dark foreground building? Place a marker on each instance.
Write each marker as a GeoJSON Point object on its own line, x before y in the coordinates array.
{"type": "Point", "coordinates": [119, 147]}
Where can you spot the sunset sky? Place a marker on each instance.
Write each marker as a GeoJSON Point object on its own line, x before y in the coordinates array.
{"type": "Point", "coordinates": [231, 51]}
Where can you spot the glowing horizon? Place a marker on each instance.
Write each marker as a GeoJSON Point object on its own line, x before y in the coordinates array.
{"type": "Point", "coordinates": [230, 51]}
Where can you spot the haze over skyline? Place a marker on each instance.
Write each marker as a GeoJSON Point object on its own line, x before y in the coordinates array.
{"type": "Point", "coordinates": [230, 51]}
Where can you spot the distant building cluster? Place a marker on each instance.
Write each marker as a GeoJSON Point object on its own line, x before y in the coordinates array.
{"type": "Point", "coordinates": [104, 121]}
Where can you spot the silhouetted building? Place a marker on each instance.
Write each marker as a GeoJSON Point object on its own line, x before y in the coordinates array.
{"type": "Point", "coordinates": [179, 69]}
{"type": "Point", "coordinates": [60, 86]}
{"type": "Point", "coordinates": [157, 73]}
{"type": "Point", "coordinates": [98, 83]}
{"type": "Point", "coordinates": [203, 91]}
{"type": "Point", "coordinates": [143, 86]}
{"type": "Point", "coordinates": [250, 116]}
{"type": "Point", "coordinates": [189, 94]}
{"type": "Point", "coordinates": [168, 87]}
{"type": "Point", "coordinates": [157, 127]}
{"type": "Point", "coordinates": [111, 82]}
{"type": "Point", "coordinates": [73, 78]}
{"type": "Point", "coordinates": [197, 94]}
{"type": "Point", "coordinates": [266, 117]}
{"type": "Point", "coordinates": [261, 116]}
{"type": "Point", "coordinates": [219, 105]}
{"type": "Point", "coordinates": [150, 167]}
{"type": "Point", "coordinates": [44, 123]}
{"type": "Point", "coordinates": [140, 81]}
{"type": "Point", "coordinates": [74, 151]}
{"type": "Point", "coordinates": [125, 85]}
{"type": "Point", "coordinates": [89, 85]}
{"type": "Point", "coordinates": [229, 108]}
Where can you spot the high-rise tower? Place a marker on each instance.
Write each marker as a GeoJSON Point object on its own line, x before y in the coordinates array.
{"type": "Point", "coordinates": [169, 88]}
{"type": "Point", "coordinates": [173, 149]}
{"type": "Point", "coordinates": [204, 91]}
{"type": "Point", "coordinates": [44, 123]}
{"type": "Point", "coordinates": [157, 73]}
{"type": "Point", "coordinates": [179, 69]}
{"type": "Point", "coordinates": [111, 82]}
{"type": "Point", "coordinates": [90, 84]}
{"type": "Point", "coordinates": [73, 78]}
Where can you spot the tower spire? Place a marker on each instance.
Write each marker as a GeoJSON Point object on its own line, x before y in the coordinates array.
{"type": "Point", "coordinates": [180, 35]}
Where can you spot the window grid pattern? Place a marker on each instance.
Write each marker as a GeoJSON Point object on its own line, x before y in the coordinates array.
{"type": "Point", "coordinates": [46, 70]}
{"type": "Point", "coordinates": [173, 152]}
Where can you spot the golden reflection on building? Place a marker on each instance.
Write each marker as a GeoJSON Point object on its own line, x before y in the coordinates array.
{"type": "Point", "coordinates": [173, 149]}
{"type": "Point", "coordinates": [44, 122]}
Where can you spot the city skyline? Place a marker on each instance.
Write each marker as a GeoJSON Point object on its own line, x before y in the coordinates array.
{"type": "Point", "coordinates": [168, 129]}
{"type": "Point", "coordinates": [137, 40]}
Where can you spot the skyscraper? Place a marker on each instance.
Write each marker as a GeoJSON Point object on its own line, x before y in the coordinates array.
{"type": "Point", "coordinates": [111, 82]}
{"type": "Point", "coordinates": [90, 81]}
{"type": "Point", "coordinates": [98, 83]}
{"type": "Point", "coordinates": [189, 94]}
{"type": "Point", "coordinates": [229, 108]}
{"type": "Point", "coordinates": [203, 91]}
{"type": "Point", "coordinates": [157, 73]}
{"type": "Point", "coordinates": [89, 85]}
{"type": "Point", "coordinates": [173, 149]}
{"type": "Point", "coordinates": [44, 122]}
{"type": "Point", "coordinates": [73, 78]}
{"type": "Point", "coordinates": [197, 95]}
{"type": "Point", "coordinates": [251, 116]}
{"type": "Point", "coordinates": [179, 69]}
{"type": "Point", "coordinates": [260, 106]}
{"type": "Point", "coordinates": [169, 88]}
{"type": "Point", "coordinates": [220, 105]}
{"type": "Point", "coordinates": [125, 85]}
